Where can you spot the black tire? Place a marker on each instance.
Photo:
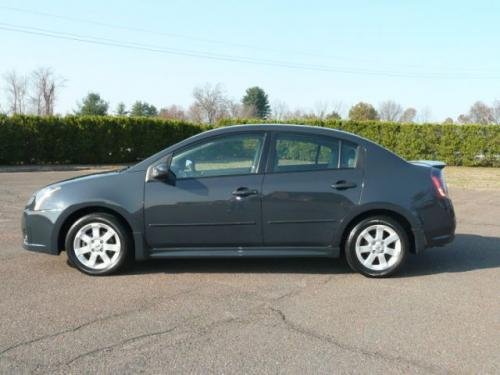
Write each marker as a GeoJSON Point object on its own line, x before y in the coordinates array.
{"type": "Point", "coordinates": [123, 258]}
{"type": "Point", "coordinates": [356, 231]}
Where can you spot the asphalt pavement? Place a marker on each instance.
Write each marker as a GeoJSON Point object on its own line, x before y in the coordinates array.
{"type": "Point", "coordinates": [441, 314]}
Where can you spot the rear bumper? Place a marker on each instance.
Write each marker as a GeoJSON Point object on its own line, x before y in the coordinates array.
{"type": "Point", "coordinates": [38, 231]}
{"type": "Point", "coordinates": [439, 223]}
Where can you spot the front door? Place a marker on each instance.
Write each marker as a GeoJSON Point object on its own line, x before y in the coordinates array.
{"type": "Point", "coordinates": [312, 182]}
{"type": "Point", "coordinates": [216, 198]}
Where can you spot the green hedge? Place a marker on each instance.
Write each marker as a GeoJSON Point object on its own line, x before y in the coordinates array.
{"type": "Point", "coordinates": [86, 140]}
{"type": "Point", "coordinates": [96, 139]}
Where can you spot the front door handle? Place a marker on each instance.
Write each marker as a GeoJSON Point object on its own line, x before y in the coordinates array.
{"type": "Point", "coordinates": [342, 185]}
{"type": "Point", "coordinates": [244, 192]}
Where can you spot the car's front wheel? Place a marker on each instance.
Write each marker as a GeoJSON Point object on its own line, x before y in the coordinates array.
{"type": "Point", "coordinates": [377, 246]}
{"type": "Point", "coordinates": [98, 244]}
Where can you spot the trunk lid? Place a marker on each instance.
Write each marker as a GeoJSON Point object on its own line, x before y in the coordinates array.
{"type": "Point", "coordinates": [431, 163]}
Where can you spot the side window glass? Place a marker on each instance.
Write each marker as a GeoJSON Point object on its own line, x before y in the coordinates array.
{"type": "Point", "coordinates": [291, 152]}
{"type": "Point", "coordinates": [222, 156]}
{"type": "Point", "coordinates": [295, 152]}
{"type": "Point", "coordinates": [349, 155]}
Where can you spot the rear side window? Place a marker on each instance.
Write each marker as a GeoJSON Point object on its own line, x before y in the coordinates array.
{"type": "Point", "coordinates": [295, 152]}
{"type": "Point", "coordinates": [305, 153]}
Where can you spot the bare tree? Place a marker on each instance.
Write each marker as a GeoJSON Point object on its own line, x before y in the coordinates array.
{"type": "Point", "coordinates": [248, 111]}
{"type": "Point", "coordinates": [496, 112]}
{"type": "Point", "coordinates": [45, 87]}
{"type": "Point", "coordinates": [195, 113]}
{"type": "Point", "coordinates": [408, 115]}
{"type": "Point", "coordinates": [278, 110]}
{"type": "Point", "coordinates": [464, 119]}
{"type": "Point", "coordinates": [326, 110]}
{"type": "Point", "coordinates": [237, 110]}
{"type": "Point", "coordinates": [210, 103]}
{"type": "Point", "coordinates": [173, 112]}
{"type": "Point", "coordinates": [321, 109]}
{"type": "Point", "coordinates": [338, 107]}
{"type": "Point", "coordinates": [304, 114]}
{"type": "Point", "coordinates": [390, 111]}
{"type": "Point", "coordinates": [424, 115]}
{"type": "Point", "coordinates": [480, 113]}
{"type": "Point", "coordinates": [16, 87]}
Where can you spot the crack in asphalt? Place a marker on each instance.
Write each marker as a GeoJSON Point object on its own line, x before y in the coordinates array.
{"type": "Point", "coordinates": [331, 340]}
{"type": "Point", "coordinates": [288, 295]}
{"type": "Point", "coordinates": [121, 343]}
{"type": "Point", "coordinates": [89, 323]}
{"type": "Point", "coordinates": [297, 291]}
{"type": "Point", "coordinates": [205, 331]}
{"type": "Point", "coordinates": [74, 329]}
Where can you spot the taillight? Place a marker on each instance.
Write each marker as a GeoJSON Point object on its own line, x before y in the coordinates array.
{"type": "Point", "coordinates": [439, 184]}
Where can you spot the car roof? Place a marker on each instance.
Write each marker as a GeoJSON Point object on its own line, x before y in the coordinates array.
{"type": "Point", "coordinates": [287, 128]}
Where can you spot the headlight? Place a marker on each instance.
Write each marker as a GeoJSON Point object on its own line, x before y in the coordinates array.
{"type": "Point", "coordinates": [42, 195]}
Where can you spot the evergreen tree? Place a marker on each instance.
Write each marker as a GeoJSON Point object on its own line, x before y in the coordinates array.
{"type": "Point", "coordinates": [94, 105]}
{"type": "Point", "coordinates": [143, 109]}
{"type": "Point", "coordinates": [256, 103]}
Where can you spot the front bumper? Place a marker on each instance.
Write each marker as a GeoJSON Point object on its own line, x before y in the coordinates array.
{"type": "Point", "coordinates": [38, 230]}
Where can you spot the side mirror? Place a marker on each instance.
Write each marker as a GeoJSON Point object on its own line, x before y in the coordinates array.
{"type": "Point", "coordinates": [162, 172]}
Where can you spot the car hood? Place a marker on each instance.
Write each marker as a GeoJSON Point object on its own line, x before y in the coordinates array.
{"type": "Point", "coordinates": [86, 178]}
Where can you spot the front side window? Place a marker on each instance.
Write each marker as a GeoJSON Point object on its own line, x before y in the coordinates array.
{"type": "Point", "coordinates": [221, 156]}
{"type": "Point", "coordinates": [294, 152]}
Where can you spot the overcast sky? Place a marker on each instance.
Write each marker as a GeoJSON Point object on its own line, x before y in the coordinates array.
{"type": "Point", "coordinates": [439, 55]}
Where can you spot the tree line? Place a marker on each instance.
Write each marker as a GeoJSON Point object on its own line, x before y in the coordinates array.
{"type": "Point", "coordinates": [37, 92]}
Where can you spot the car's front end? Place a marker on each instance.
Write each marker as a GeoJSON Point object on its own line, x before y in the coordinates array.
{"type": "Point", "coordinates": [38, 220]}
{"type": "Point", "coordinates": [45, 217]}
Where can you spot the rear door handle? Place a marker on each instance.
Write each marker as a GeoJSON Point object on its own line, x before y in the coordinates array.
{"type": "Point", "coordinates": [244, 192]}
{"type": "Point", "coordinates": [342, 185]}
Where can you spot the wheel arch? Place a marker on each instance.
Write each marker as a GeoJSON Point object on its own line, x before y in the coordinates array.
{"type": "Point", "coordinates": [402, 218]}
{"type": "Point", "coordinates": [77, 213]}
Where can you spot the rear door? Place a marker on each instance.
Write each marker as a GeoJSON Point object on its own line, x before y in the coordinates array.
{"type": "Point", "coordinates": [312, 182]}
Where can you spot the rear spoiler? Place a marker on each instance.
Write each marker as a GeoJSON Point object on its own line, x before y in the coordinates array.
{"type": "Point", "coordinates": [431, 163]}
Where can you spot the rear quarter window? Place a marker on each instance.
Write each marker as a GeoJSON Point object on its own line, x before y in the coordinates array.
{"type": "Point", "coordinates": [348, 155]}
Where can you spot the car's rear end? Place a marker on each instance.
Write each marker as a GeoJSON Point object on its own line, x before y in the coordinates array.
{"type": "Point", "coordinates": [437, 215]}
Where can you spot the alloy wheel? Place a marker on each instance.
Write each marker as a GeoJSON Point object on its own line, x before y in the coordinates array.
{"type": "Point", "coordinates": [378, 247]}
{"type": "Point", "coordinates": [97, 246]}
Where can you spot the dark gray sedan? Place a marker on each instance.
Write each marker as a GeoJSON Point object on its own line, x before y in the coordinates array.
{"type": "Point", "coordinates": [249, 191]}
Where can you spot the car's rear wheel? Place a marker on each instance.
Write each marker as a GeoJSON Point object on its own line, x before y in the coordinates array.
{"type": "Point", "coordinates": [377, 246]}
{"type": "Point", "coordinates": [98, 244]}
